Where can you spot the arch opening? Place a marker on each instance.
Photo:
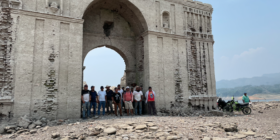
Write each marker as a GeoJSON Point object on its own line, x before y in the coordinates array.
{"type": "Point", "coordinates": [101, 70]}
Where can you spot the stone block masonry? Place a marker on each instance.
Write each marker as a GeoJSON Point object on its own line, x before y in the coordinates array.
{"type": "Point", "coordinates": [165, 44]}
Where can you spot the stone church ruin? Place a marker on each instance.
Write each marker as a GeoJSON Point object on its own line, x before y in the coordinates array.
{"type": "Point", "coordinates": [166, 44]}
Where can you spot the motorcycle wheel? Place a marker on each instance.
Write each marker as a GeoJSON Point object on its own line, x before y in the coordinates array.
{"type": "Point", "coordinates": [246, 110]}
{"type": "Point", "coordinates": [227, 109]}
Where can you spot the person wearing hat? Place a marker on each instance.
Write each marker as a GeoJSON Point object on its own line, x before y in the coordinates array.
{"type": "Point", "coordinates": [109, 103]}
{"type": "Point", "coordinates": [86, 98]}
{"type": "Point", "coordinates": [101, 99]}
{"type": "Point", "coordinates": [128, 99]}
{"type": "Point", "coordinates": [93, 95]}
{"type": "Point", "coordinates": [245, 98]}
{"type": "Point", "coordinates": [150, 99]}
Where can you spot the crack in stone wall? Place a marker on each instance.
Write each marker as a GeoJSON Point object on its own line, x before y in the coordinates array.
{"type": "Point", "coordinates": [179, 98]}
{"type": "Point", "coordinates": [50, 104]}
{"type": "Point", "coordinates": [197, 70]}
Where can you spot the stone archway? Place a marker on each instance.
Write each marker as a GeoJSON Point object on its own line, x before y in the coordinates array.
{"type": "Point", "coordinates": [117, 25]}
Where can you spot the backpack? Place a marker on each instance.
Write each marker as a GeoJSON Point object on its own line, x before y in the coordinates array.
{"type": "Point", "coordinates": [130, 94]}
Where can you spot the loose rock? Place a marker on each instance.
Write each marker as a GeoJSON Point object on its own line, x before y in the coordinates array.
{"type": "Point", "coordinates": [110, 130]}
{"type": "Point", "coordinates": [55, 135]}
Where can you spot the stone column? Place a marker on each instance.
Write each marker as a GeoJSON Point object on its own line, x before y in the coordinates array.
{"type": "Point", "coordinates": [212, 69]}
{"type": "Point", "coordinates": [210, 25]}
{"type": "Point", "coordinates": [201, 102]}
{"type": "Point", "coordinates": [196, 101]}
{"type": "Point", "coordinates": [203, 24]}
{"type": "Point", "coordinates": [206, 100]}
{"type": "Point", "coordinates": [210, 103]}
{"type": "Point", "coordinates": [208, 71]}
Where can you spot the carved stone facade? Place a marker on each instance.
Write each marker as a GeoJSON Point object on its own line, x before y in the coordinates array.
{"type": "Point", "coordinates": [166, 44]}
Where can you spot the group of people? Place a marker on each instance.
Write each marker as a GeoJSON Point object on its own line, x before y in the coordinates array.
{"type": "Point", "coordinates": [128, 98]}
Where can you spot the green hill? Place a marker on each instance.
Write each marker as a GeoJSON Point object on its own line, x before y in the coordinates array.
{"type": "Point", "coordinates": [251, 90]}
{"type": "Point", "coordinates": [266, 79]}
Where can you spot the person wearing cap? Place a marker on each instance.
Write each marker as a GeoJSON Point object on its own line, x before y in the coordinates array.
{"type": "Point", "coordinates": [128, 99]}
{"type": "Point", "coordinates": [93, 95]}
{"type": "Point", "coordinates": [109, 103]}
{"type": "Point", "coordinates": [245, 98]}
{"type": "Point", "coordinates": [138, 97]}
{"type": "Point", "coordinates": [150, 99]}
{"type": "Point", "coordinates": [117, 101]}
{"type": "Point", "coordinates": [101, 99]}
{"type": "Point", "coordinates": [86, 98]}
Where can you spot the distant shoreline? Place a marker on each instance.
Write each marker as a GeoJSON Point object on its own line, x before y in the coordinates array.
{"type": "Point", "coordinates": [256, 97]}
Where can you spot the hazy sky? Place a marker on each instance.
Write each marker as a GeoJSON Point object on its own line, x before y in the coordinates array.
{"type": "Point", "coordinates": [247, 43]}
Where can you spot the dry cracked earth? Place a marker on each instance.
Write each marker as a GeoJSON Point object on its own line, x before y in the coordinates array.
{"type": "Point", "coordinates": [263, 123]}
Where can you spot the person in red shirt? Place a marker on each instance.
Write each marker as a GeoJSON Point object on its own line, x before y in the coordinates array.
{"type": "Point", "coordinates": [128, 99]}
{"type": "Point", "coordinates": [150, 99]}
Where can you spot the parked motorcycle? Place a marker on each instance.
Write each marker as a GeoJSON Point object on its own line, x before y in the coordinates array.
{"type": "Point", "coordinates": [232, 105]}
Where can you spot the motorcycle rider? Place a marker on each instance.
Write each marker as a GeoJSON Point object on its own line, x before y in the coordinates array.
{"type": "Point", "coordinates": [245, 98]}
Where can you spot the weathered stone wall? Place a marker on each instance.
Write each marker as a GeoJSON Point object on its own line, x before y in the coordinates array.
{"type": "Point", "coordinates": [6, 74]}
{"type": "Point", "coordinates": [166, 44]}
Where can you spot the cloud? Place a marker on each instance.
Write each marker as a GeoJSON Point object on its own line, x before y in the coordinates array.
{"type": "Point", "coordinates": [249, 63]}
{"type": "Point", "coordinates": [250, 54]}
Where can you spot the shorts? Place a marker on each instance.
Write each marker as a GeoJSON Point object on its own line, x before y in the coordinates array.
{"type": "Point", "coordinates": [128, 105]}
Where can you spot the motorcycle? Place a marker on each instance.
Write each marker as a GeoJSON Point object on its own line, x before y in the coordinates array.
{"type": "Point", "coordinates": [232, 105]}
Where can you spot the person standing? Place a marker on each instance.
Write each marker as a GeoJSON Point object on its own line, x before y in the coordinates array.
{"type": "Point", "coordinates": [86, 101]}
{"type": "Point", "coordinates": [143, 101]}
{"type": "Point", "coordinates": [245, 98]}
{"type": "Point", "coordinates": [150, 99]}
{"type": "Point", "coordinates": [128, 99]}
{"type": "Point", "coordinates": [117, 101]}
{"type": "Point", "coordinates": [138, 97]}
{"type": "Point", "coordinates": [93, 95]}
{"type": "Point", "coordinates": [101, 99]}
{"type": "Point", "coordinates": [109, 103]}
{"type": "Point", "coordinates": [121, 92]}
{"type": "Point", "coordinates": [123, 105]}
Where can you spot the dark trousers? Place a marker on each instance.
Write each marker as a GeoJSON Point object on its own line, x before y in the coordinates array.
{"type": "Point", "coordinates": [118, 105]}
{"type": "Point", "coordinates": [109, 105]}
{"type": "Point", "coordinates": [152, 106]}
{"type": "Point", "coordinates": [136, 105]}
{"type": "Point", "coordinates": [93, 104]}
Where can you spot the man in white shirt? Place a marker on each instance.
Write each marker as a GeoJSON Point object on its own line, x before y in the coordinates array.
{"type": "Point", "coordinates": [101, 99]}
{"type": "Point", "coordinates": [86, 101]}
{"type": "Point", "coordinates": [138, 97]}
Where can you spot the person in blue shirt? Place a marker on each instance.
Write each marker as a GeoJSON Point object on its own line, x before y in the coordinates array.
{"type": "Point", "coordinates": [245, 98]}
{"type": "Point", "coordinates": [94, 95]}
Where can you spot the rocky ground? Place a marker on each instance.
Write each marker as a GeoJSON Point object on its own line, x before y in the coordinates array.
{"type": "Point", "coordinates": [263, 123]}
